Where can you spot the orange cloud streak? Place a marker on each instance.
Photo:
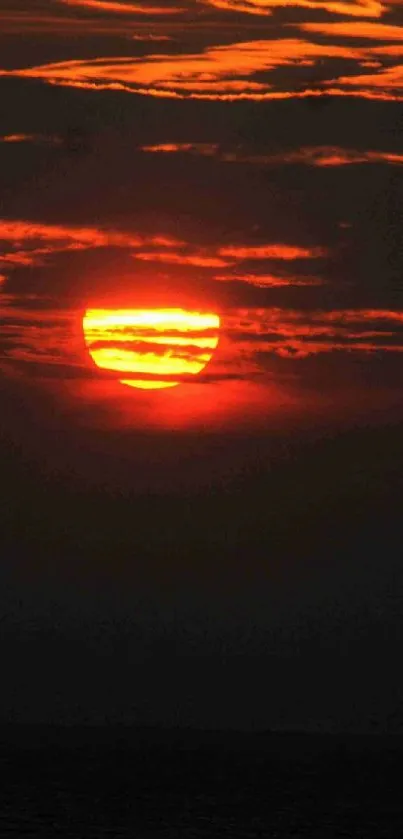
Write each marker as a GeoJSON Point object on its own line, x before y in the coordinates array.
{"type": "Point", "coordinates": [354, 8]}
{"type": "Point", "coordinates": [269, 280]}
{"type": "Point", "coordinates": [92, 237]}
{"type": "Point", "coordinates": [308, 155]}
{"type": "Point", "coordinates": [207, 149]}
{"type": "Point", "coordinates": [355, 29]}
{"type": "Point", "coordinates": [392, 78]}
{"type": "Point", "coordinates": [347, 157]}
{"type": "Point", "coordinates": [198, 260]}
{"type": "Point", "coordinates": [31, 138]}
{"type": "Point", "coordinates": [358, 315]}
{"type": "Point", "coordinates": [309, 93]}
{"type": "Point", "coordinates": [121, 8]}
{"type": "Point", "coordinates": [271, 252]}
{"type": "Point", "coordinates": [64, 237]}
{"type": "Point", "coordinates": [213, 69]}
{"type": "Point", "coordinates": [218, 72]}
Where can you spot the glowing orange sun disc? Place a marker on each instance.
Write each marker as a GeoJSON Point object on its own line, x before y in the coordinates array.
{"type": "Point", "coordinates": [151, 343]}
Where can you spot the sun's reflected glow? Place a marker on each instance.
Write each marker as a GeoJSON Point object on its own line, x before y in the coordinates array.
{"type": "Point", "coordinates": [160, 346]}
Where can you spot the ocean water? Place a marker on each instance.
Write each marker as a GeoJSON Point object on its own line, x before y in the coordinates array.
{"type": "Point", "coordinates": [171, 790]}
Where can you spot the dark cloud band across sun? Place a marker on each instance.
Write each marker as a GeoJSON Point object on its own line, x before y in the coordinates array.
{"type": "Point", "coordinates": [249, 337]}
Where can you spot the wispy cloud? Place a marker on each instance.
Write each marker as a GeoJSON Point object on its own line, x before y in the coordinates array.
{"type": "Point", "coordinates": [354, 8]}
{"type": "Point", "coordinates": [220, 72]}
{"type": "Point", "coordinates": [122, 8]}
{"type": "Point", "coordinates": [33, 334]}
{"type": "Point", "coordinates": [269, 280]}
{"type": "Point", "coordinates": [354, 29]}
{"type": "Point", "coordinates": [24, 243]}
{"type": "Point", "coordinates": [276, 251]}
{"type": "Point", "coordinates": [63, 237]}
{"type": "Point", "coordinates": [41, 139]}
{"type": "Point", "coordinates": [230, 255]}
{"type": "Point", "coordinates": [197, 259]}
{"type": "Point", "coordinates": [296, 334]}
{"type": "Point", "coordinates": [390, 78]}
{"type": "Point", "coordinates": [307, 155]}
{"type": "Point", "coordinates": [205, 149]}
{"type": "Point", "coordinates": [27, 243]}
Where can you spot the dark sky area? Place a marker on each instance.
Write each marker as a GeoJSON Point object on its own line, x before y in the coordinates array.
{"type": "Point", "coordinates": [226, 552]}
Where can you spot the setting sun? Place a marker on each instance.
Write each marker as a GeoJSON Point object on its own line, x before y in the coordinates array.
{"type": "Point", "coordinates": [151, 348]}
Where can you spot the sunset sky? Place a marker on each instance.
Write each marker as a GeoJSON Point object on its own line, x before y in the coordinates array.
{"type": "Point", "coordinates": [241, 161]}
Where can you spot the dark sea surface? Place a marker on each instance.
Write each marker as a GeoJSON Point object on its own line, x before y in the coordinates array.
{"type": "Point", "coordinates": [259, 786]}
